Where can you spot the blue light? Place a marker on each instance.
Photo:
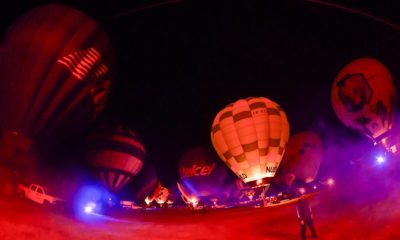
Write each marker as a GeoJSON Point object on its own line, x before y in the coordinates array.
{"type": "Point", "coordinates": [380, 159]}
{"type": "Point", "coordinates": [90, 207]}
{"type": "Point", "coordinates": [88, 201]}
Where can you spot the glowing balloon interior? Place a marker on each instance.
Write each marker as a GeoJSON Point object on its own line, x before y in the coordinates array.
{"type": "Point", "coordinates": [162, 195]}
{"type": "Point", "coordinates": [250, 136]}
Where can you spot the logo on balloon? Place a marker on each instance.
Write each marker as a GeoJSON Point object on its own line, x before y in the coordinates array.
{"type": "Point", "coordinates": [197, 170]}
{"type": "Point", "coordinates": [242, 175]}
{"type": "Point", "coordinates": [354, 91]}
{"type": "Point", "coordinates": [271, 169]}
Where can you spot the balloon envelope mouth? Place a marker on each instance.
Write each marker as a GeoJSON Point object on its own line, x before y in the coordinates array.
{"type": "Point", "coordinates": [259, 182]}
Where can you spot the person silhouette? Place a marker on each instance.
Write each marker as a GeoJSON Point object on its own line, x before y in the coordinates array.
{"type": "Point", "coordinates": [305, 217]}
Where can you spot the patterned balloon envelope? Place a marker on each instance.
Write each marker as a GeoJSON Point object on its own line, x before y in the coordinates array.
{"type": "Point", "coordinates": [250, 136]}
{"type": "Point", "coordinates": [303, 156]}
{"type": "Point", "coordinates": [55, 73]}
{"type": "Point", "coordinates": [116, 154]}
{"type": "Point", "coordinates": [363, 97]}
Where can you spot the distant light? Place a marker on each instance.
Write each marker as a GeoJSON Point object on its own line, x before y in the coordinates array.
{"type": "Point", "coordinates": [90, 207]}
{"type": "Point", "coordinates": [170, 202]}
{"type": "Point", "coordinates": [194, 201]}
{"type": "Point", "coordinates": [302, 190]}
{"type": "Point", "coordinates": [250, 194]}
{"type": "Point", "coordinates": [147, 200]}
{"type": "Point", "coordinates": [88, 200]}
{"type": "Point", "coordinates": [315, 186]}
{"type": "Point", "coordinates": [380, 159]}
{"type": "Point", "coordinates": [331, 181]}
{"type": "Point", "coordinates": [393, 149]}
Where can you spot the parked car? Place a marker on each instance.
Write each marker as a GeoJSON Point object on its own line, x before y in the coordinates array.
{"type": "Point", "coordinates": [40, 195]}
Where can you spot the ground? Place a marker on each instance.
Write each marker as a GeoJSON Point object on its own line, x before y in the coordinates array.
{"type": "Point", "coordinates": [338, 215]}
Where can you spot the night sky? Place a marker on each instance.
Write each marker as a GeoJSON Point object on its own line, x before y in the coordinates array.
{"type": "Point", "coordinates": [179, 64]}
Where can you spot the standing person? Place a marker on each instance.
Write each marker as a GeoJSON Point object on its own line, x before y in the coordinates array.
{"type": "Point", "coordinates": [304, 214]}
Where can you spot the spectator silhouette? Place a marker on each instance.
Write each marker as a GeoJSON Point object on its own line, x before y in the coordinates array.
{"type": "Point", "coordinates": [305, 217]}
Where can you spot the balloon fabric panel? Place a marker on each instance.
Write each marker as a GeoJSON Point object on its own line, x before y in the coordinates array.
{"type": "Point", "coordinates": [249, 136]}
{"type": "Point", "coordinates": [116, 154]}
{"type": "Point", "coordinates": [56, 69]}
{"type": "Point", "coordinates": [363, 97]}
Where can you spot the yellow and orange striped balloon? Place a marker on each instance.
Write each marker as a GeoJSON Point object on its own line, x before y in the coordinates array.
{"type": "Point", "coordinates": [250, 136]}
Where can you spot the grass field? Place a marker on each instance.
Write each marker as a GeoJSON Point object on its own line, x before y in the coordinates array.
{"type": "Point", "coordinates": [338, 215]}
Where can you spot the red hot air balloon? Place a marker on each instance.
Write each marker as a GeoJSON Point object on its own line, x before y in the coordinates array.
{"type": "Point", "coordinates": [303, 156]}
{"type": "Point", "coordinates": [151, 197]}
{"type": "Point", "coordinates": [162, 196]}
{"type": "Point", "coordinates": [363, 97]}
{"type": "Point", "coordinates": [203, 174]}
{"type": "Point", "coordinates": [55, 74]}
{"type": "Point", "coordinates": [116, 154]}
{"type": "Point", "coordinates": [250, 136]}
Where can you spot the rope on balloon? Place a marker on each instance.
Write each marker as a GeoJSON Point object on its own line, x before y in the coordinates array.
{"type": "Point", "coordinates": [352, 10]}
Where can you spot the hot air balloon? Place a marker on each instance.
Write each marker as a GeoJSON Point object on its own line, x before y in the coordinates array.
{"type": "Point", "coordinates": [55, 75]}
{"type": "Point", "coordinates": [188, 197]}
{"type": "Point", "coordinates": [303, 156]}
{"type": "Point", "coordinates": [173, 194]}
{"type": "Point", "coordinates": [151, 197]}
{"type": "Point", "coordinates": [162, 196]}
{"type": "Point", "coordinates": [141, 185]}
{"type": "Point", "coordinates": [250, 136]}
{"type": "Point", "coordinates": [116, 154]}
{"type": "Point", "coordinates": [363, 97]}
{"type": "Point", "coordinates": [185, 195]}
{"type": "Point", "coordinates": [203, 174]}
